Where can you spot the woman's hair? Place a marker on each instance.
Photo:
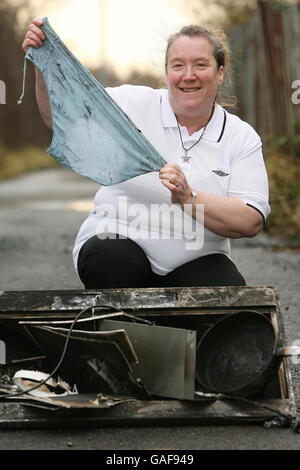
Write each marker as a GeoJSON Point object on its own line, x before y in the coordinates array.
{"type": "Point", "coordinates": [221, 54]}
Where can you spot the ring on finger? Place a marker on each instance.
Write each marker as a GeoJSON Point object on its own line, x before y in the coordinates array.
{"type": "Point", "coordinates": [176, 182]}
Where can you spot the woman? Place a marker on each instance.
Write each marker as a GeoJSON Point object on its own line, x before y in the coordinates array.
{"type": "Point", "coordinates": [214, 162]}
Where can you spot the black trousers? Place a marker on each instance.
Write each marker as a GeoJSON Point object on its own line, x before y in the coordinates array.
{"type": "Point", "coordinates": [120, 262]}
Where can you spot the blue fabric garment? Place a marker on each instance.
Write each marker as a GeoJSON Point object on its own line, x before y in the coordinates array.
{"type": "Point", "coordinates": [91, 134]}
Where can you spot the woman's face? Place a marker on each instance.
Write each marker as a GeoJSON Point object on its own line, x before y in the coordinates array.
{"type": "Point", "coordinates": [192, 76]}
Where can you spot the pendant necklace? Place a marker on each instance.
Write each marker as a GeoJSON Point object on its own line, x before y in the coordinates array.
{"type": "Point", "coordinates": [185, 156]}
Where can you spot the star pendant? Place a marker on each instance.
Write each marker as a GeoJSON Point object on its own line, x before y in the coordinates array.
{"type": "Point", "coordinates": [185, 157]}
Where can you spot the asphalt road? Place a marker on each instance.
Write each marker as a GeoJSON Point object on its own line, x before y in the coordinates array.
{"type": "Point", "coordinates": [40, 215]}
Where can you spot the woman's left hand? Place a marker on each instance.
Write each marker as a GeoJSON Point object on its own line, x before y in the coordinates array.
{"type": "Point", "coordinates": [174, 179]}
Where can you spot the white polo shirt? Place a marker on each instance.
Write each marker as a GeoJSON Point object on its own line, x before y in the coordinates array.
{"type": "Point", "coordinates": [227, 161]}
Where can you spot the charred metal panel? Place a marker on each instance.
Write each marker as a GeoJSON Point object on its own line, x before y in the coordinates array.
{"type": "Point", "coordinates": [43, 304]}
{"type": "Point", "coordinates": [166, 357]}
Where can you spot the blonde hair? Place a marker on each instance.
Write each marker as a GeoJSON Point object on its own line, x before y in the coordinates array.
{"type": "Point", "coordinates": [221, 53]}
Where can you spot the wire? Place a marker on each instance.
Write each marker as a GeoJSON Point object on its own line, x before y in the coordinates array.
{"type": "Point", "coordinates": [94, 306]}
{"type": "Point", "coordinates": [23, 392]}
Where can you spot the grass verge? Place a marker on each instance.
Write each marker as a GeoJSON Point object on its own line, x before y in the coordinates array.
{"type": "Point", "coordinates": [282, 158]}
{"type": "Point", "coordinates": [14, 162]}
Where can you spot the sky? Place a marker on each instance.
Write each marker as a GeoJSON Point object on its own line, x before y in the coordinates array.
{"type": "Point", "coordinates": [126, 34]}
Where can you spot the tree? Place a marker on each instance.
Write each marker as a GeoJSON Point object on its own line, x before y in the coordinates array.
{"type": "Point", "coordinates": [19, 125]}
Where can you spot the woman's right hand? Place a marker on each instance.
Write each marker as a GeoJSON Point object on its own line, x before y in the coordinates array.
{"type": "Point", "coordinates": [34, 36]}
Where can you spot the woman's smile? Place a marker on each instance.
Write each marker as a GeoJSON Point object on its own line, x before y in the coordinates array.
{"type": "Point", "coordinates": [190, 90]}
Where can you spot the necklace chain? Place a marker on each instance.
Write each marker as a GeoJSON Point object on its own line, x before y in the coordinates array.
{"type": "Point", "coordinates": [185, 157]}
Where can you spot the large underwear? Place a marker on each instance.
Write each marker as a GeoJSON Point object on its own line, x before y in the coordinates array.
{"type": "Point", "coordinates": [91, 134]}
